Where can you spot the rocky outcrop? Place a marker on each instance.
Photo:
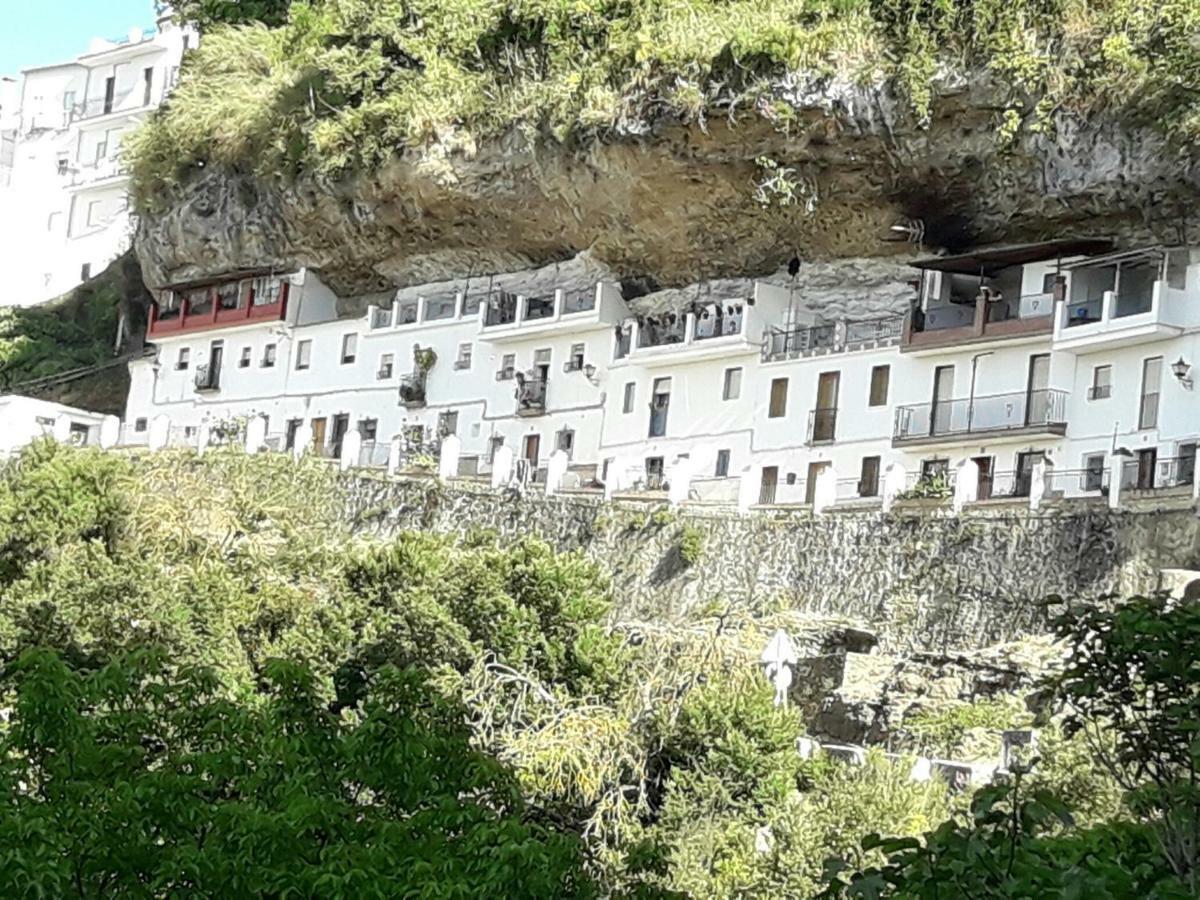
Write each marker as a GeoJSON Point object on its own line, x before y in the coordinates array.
{"type": "Point", "coordinates": [676, 204]}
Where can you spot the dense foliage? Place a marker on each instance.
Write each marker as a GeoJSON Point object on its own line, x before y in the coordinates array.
{"type": "Point", "coordinates": [348, 84]}
{"type": "Point", "coordinates": [177, 632]}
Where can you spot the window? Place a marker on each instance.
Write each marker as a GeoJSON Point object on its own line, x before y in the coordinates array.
{"type": "Point", "coordinates": [1048, 282]}
{"type": "Point", "coordinates": [1101, 387]}
{"type": "Point", "coordinates": [293, 426]}
{"type": "Point", "coordinates": [1185, 463]}
{"type": "Point", "coordinates": [880, 378]}
{"type": "Point", "coordinates": [494, 444]}
{"type": "Point", "coordinates": [868, 477]}
{"type": "Point", "coordinates": [732, 389]}
{"type": "Point", "coordinates": [368, 428]}
{"type": "Point", "coordinates": [303, 354]}
{"type": "Point", "coordinates": [508, 367]}
{"type": "Point", "coordinates": [85, 271]}
{"type": "Point", "coordinates": [630, 394]}
{"type": "Point", "coordinates": [147, 84]}
{"type": "Point", "coordinates": [565, 441]}
{"type": "Point", "coordinates": [140, 425]}
{"type": "Point", "coordinates": [244, 359]}
{"type": "Point", "coordinates": [654, 473]}
{"type": "Point", "coordinates": [189, 432]}
{"type": "Point", "coordinates": [575, 363]}
{"type": "Point", "coordinates": [110, 91]}
{"type": "Point", "coordinates": [722, 464]}
{"type": "Point", "coordinates": [46, 423]}
{"type": "Point", "coordinates": [101, 150]}
{"type": "Point", "coordinates": [934, 468]}
{"type": "Point", "coordinates": [1151, 377]}
{"type": "Point", "coordinates": [1093, 472]}
{"type": "Point", "coordinates": [660, 403]}
{"type": "Point", "coordinates": [349, 348]}
{"type": "Point", "coordinates": [447, 424]}
{"type": "Point", "coordinates": [778, 407]}
{"type": "Point", "coordinates": [181, 361]}
{"type": "Point", "coordinates": [268, 359]}
{"type": "Point", "coordinates": [471, 304]}
{"type": "Point", "coordinates": [386, 363]}
{"type": "Point", "coordinates": [93, 213]}
{"type": "Point", "coordinates": [463, 361]}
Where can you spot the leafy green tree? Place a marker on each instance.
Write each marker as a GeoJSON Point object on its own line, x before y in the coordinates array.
{"type": "Point", "coordinates": [208, 13]}
{"type": "Point", "coordinates": [142, 780]}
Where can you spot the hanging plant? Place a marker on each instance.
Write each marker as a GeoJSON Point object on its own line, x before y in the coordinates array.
{"type": "Point", "coordinates": [424, 358]}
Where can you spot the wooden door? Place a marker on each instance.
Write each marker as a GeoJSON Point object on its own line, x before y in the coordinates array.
{"type": "Point", "coordinates": [1037, 393]}
{"type": "Point", "coordinates": [770, 480]}
{"type": "Point", "coordinates": [318, 430]}
{"type": "Point", "coordinates": [983, 485]}
{"type": "Point", "coordinates": [1147, 460]}
{"type": "Point", "coordinates": [810, 487]}
{"type": "Point", "coordinates": [530, 449]}
{"type": "Point", "coordinates": [825, 420]}
{"type": "Point", "coordinates": [943, 400]}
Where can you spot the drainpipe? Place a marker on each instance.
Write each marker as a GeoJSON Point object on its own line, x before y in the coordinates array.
{"type": "Point", "coordinates": [971, 397]}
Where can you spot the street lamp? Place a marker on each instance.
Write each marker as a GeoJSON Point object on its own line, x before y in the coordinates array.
{"type": "Point", "coordinates": [1180, 370]}
{"type": "Point", "coordinates": [971, 397]}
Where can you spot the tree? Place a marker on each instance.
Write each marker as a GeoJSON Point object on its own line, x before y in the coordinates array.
{"type": "Point", "coordinates": [207, 13]}
{"type": "Point", "coordinates": [135, 780]}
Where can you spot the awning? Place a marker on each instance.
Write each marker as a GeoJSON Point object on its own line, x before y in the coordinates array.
{"type": "Point", "coordinates": [1123, 256]}
{"type": "Point", "coordinates": [990, 261]}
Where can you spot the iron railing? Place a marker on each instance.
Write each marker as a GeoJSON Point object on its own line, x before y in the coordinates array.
{"type": "Point", "coordinates": [822, 425]}
{"type": "Point", "coordinates": [501, 309]}
{"type": "Point", "coordinates": [539, 308]}
{"type": "Point", "coordinates": [873, 331]}
{"type": "Point", "coordinates": [412, 389]}
{"type": "Point", "coordinates": [381, 318]}
{"type": "Point", "coordinates": [531, 396]}
{"type": "Point", "coordinates": [718, 321]}
{"type": "Point", "coordinates": [984, 414]}
{"type": "Point", "coordinates": [800, 341]}
{"type": "Point", "coordinates": [207, 378]}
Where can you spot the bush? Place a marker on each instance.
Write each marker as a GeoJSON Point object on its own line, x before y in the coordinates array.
{"type": "Point", "coordinates": [691, 544]}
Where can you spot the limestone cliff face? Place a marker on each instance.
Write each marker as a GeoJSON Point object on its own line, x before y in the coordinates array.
{"type": "Point", "coordinates": [675, 204]}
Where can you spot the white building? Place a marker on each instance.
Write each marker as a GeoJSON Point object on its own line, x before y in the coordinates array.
{"type": "Point", "coordinates": [63, 190]}
{"type": "Point", "coordinates": [1038, 368]}
{"type": "Point", "coordinates": [25, 419]}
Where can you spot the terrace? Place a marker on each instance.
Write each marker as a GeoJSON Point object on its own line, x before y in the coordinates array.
{"type": "Point", "coordinates": [1031, 413]}
{"type": "Point", "coordinates": [202, 306]}
{"type": "Point", "coordinates": [839, 337]}
{"type": "Point", "coordinates": [513, 317]}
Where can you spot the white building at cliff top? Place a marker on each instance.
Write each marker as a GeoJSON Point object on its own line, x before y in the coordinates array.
{"type": "Point", "coordinates": [63, 189]}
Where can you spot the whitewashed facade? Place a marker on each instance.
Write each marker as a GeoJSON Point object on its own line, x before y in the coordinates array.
{"type": "Point", "coordinates": [1024, 372]}
{"type": "Point", "coordinates": [63, 189]}
{"type": "Point", "coordinates": [25, 419]}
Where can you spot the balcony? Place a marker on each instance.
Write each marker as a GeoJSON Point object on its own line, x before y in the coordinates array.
{"type": "Point", "coordinates": [961, 324]}
{"type": "Point", "coordinates": [188, 309]}
{"type": "Point", "coordinates": [712, 331]}
{"type": "Point", "coordinates": [125, 103]}
{"type": "Point", "coordinates": [513, 317]}
{"type": "Point", "coordinates": [531, 396]}
{"type": "Point", "coordinates": [819, 340]}
{"type": "Point", "coordinates": [1125, 299]}
{"type": "Point", "coordinates": [1158, 474]}
{"type": "Point", "coordinates": [207, 379]}
{"type": "Point", "coordinates": [822, 426]}
{"type": "Point", "coordinates": [1027, 413]}
{"type": "Point", "coordinates": [412, 390]}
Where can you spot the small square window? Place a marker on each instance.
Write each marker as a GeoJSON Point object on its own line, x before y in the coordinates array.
{"type": "Point", "coordinates": [1101, 388]}
{"type": "Point", "coordinates": [732, 389]}
{"type": "Point", "coordinates": [304, 354]}
{"type": "Point", "coordinates": [508, 367]}
{"type": "Point", "coordinates": [140, 425]}
{"type": "Point", "coordinates": [244, 360]}
{"type": "Point", "coordinates": [722, 464]}
{"type": "Point", "coordinates": [880, 378]}
{"type": "Point", "coordinates": [630, 394]}
{"type": "Point", "coordinates": [575, 362]}
{"type": "Point", "coordinates": [463, 360]}
{"type": "Point", "coordinates": [85, 271]}
{"type": "Point", "coordinates": [368, 428]}
{"type": "Point", "coordinates": [349, 348]}
{"type": "Point", "coordinates": [386, 364]}
{"type": "Point", "coordinates": [268, 359]}
{"type": "Point", "coordinates": [566, 441]}
{"type": "Point", "coordinates": [181, 361]}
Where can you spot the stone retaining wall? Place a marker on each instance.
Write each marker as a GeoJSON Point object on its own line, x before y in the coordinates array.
{"type": "Point", "coordinates": [921, 577]}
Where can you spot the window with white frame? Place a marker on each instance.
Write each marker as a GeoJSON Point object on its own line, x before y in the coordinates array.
{"type": "Point", "coordinates": [386, 365]}
{"type": "Point", "coordinates": [463, 359]}
{"type": "Point", "coordinates": [575, 360]}
{"type": "Point", "coordinates": [508, 367]}
{"type": "Point", "coordinates": [244, 359]}
{"type": "Point", "coordinates": [1101, 388]}
{"type": "Point", "coordinates": [349, 348]}
{"type": "Point", "coordinates": [630, 396]}
{"type": "Point", "coordinates": [268, 360]}
{"type": "Point", "coordinates": [732, 388]}
{"type": "Point", "coordinates": [181, 361]}
{"type": "Point", "coordinates": [304, 354]}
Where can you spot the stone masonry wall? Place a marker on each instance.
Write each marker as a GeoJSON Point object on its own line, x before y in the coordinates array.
{"type": "Point", "coordinates": [920, 577]}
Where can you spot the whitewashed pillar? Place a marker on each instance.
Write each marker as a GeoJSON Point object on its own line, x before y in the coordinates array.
{"type": "Point", "coordinates": [110, 432]}
{"type": "Point", "coordinates": [556, 468]}
{"type": "Point", "coordinates": [825, 491]}
{"type": "Point", "coordinates": [395, 451]}
{"type": "Point", "coordinates": [203, 437]}
{"type": "Point", "coordinates": [749, 486]}
{"type": "Point", "coordinates": [893, 484]}
{"type": "Point", "coordinates": [680, 485]}
{"type": "Point", "coordinates": [1039, 481]}
{"type": "Point", "coordinates": [351, 450]}
{"type": "Point", "coordinates": [160, 432]}
{"type": "Point", "coordinates": [966, 484]}
{"type": "Point", "coordinates": [1195, 481]}
{"type": "Point", "coordinates": [448, 458]}
{"type": "Point", "coordinates": [61, 431]}
{"type": "Point", "coordinates": [1116, 472]}
{"type": "Point", "coordinates": [304, 439]}
{"type": "Point", "coordinates": [502, 466]}
{"type": "Point", "coordinates": [256, 434]}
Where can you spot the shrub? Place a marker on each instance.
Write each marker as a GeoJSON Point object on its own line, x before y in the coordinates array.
{"type": "Point", "coordinates": [691, 544]}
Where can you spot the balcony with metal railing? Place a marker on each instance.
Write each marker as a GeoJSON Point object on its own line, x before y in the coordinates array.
{"type": "Point", "coordinates": [691, 334]}
{"type": "Point", "coordinates": [839, 337]}
{"type": "Point", "coordinates": [822, 426]}
{"type": "Point", "coordinates": [207, 378]}
{"type": "Point", "coordinates": [412, 390]}
{"type": "Point", "coordinates": [1161, 474]}
{"type": "Point", "coordinates": [531, 396]}
{"type": "Point", "coordinates": [1026, 413]}
{"type": "Point", "coordinates": [512, 317]}
{"type": "Point", "coordinates": [211, 305]}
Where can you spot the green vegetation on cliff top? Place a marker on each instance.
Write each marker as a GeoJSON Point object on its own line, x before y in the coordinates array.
{"type": "Point", "coordinates": [345, 85]}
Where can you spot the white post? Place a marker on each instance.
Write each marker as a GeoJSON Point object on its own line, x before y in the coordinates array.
{"type": "Point", "coordinates": [448, 458]}
{"type": "Point", "coordinates": [351, 449]}
{"type": "Point", "coordinates": [680, 484]}
{"type": "Point", "coordinates": [1039, 479]}
{"type": "Point", "coordinates": [556, 468]}
{"type": "Point", "coordinates": [893, 484]}
{"type": "Point", "coordinates": [825, 491]}
{"type": "Point", "coordinates": [110, 432]}
{"type": "Point", "coordinates": [502, 467]}
{"type": "Point", "coordinates": [1116, 471]}
{"type": "Point", "coordinates": [395, 449]}
{"type": "Point", "coordinates": [1195, 481]}
{"type": "Point", "coordinates": [203, 437]}
{"type": "Point", "coordinates": [304, 439]}
{"type": "Point", "coordinates": [61, 431]}
{"type": "Point", "coordinates": [160, 432]}
{"type": "Point", "coordinates": [748, 488]}
{"type": "Point", "coordinates": [256, 434]}
{"type": "Point", "coordinates": [966, 484]}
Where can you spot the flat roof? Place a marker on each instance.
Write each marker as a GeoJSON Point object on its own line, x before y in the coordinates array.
{"type": "Point", "coordinates": [1158, 250]}
{"type": "Point", "coordinates": [991, 260]}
